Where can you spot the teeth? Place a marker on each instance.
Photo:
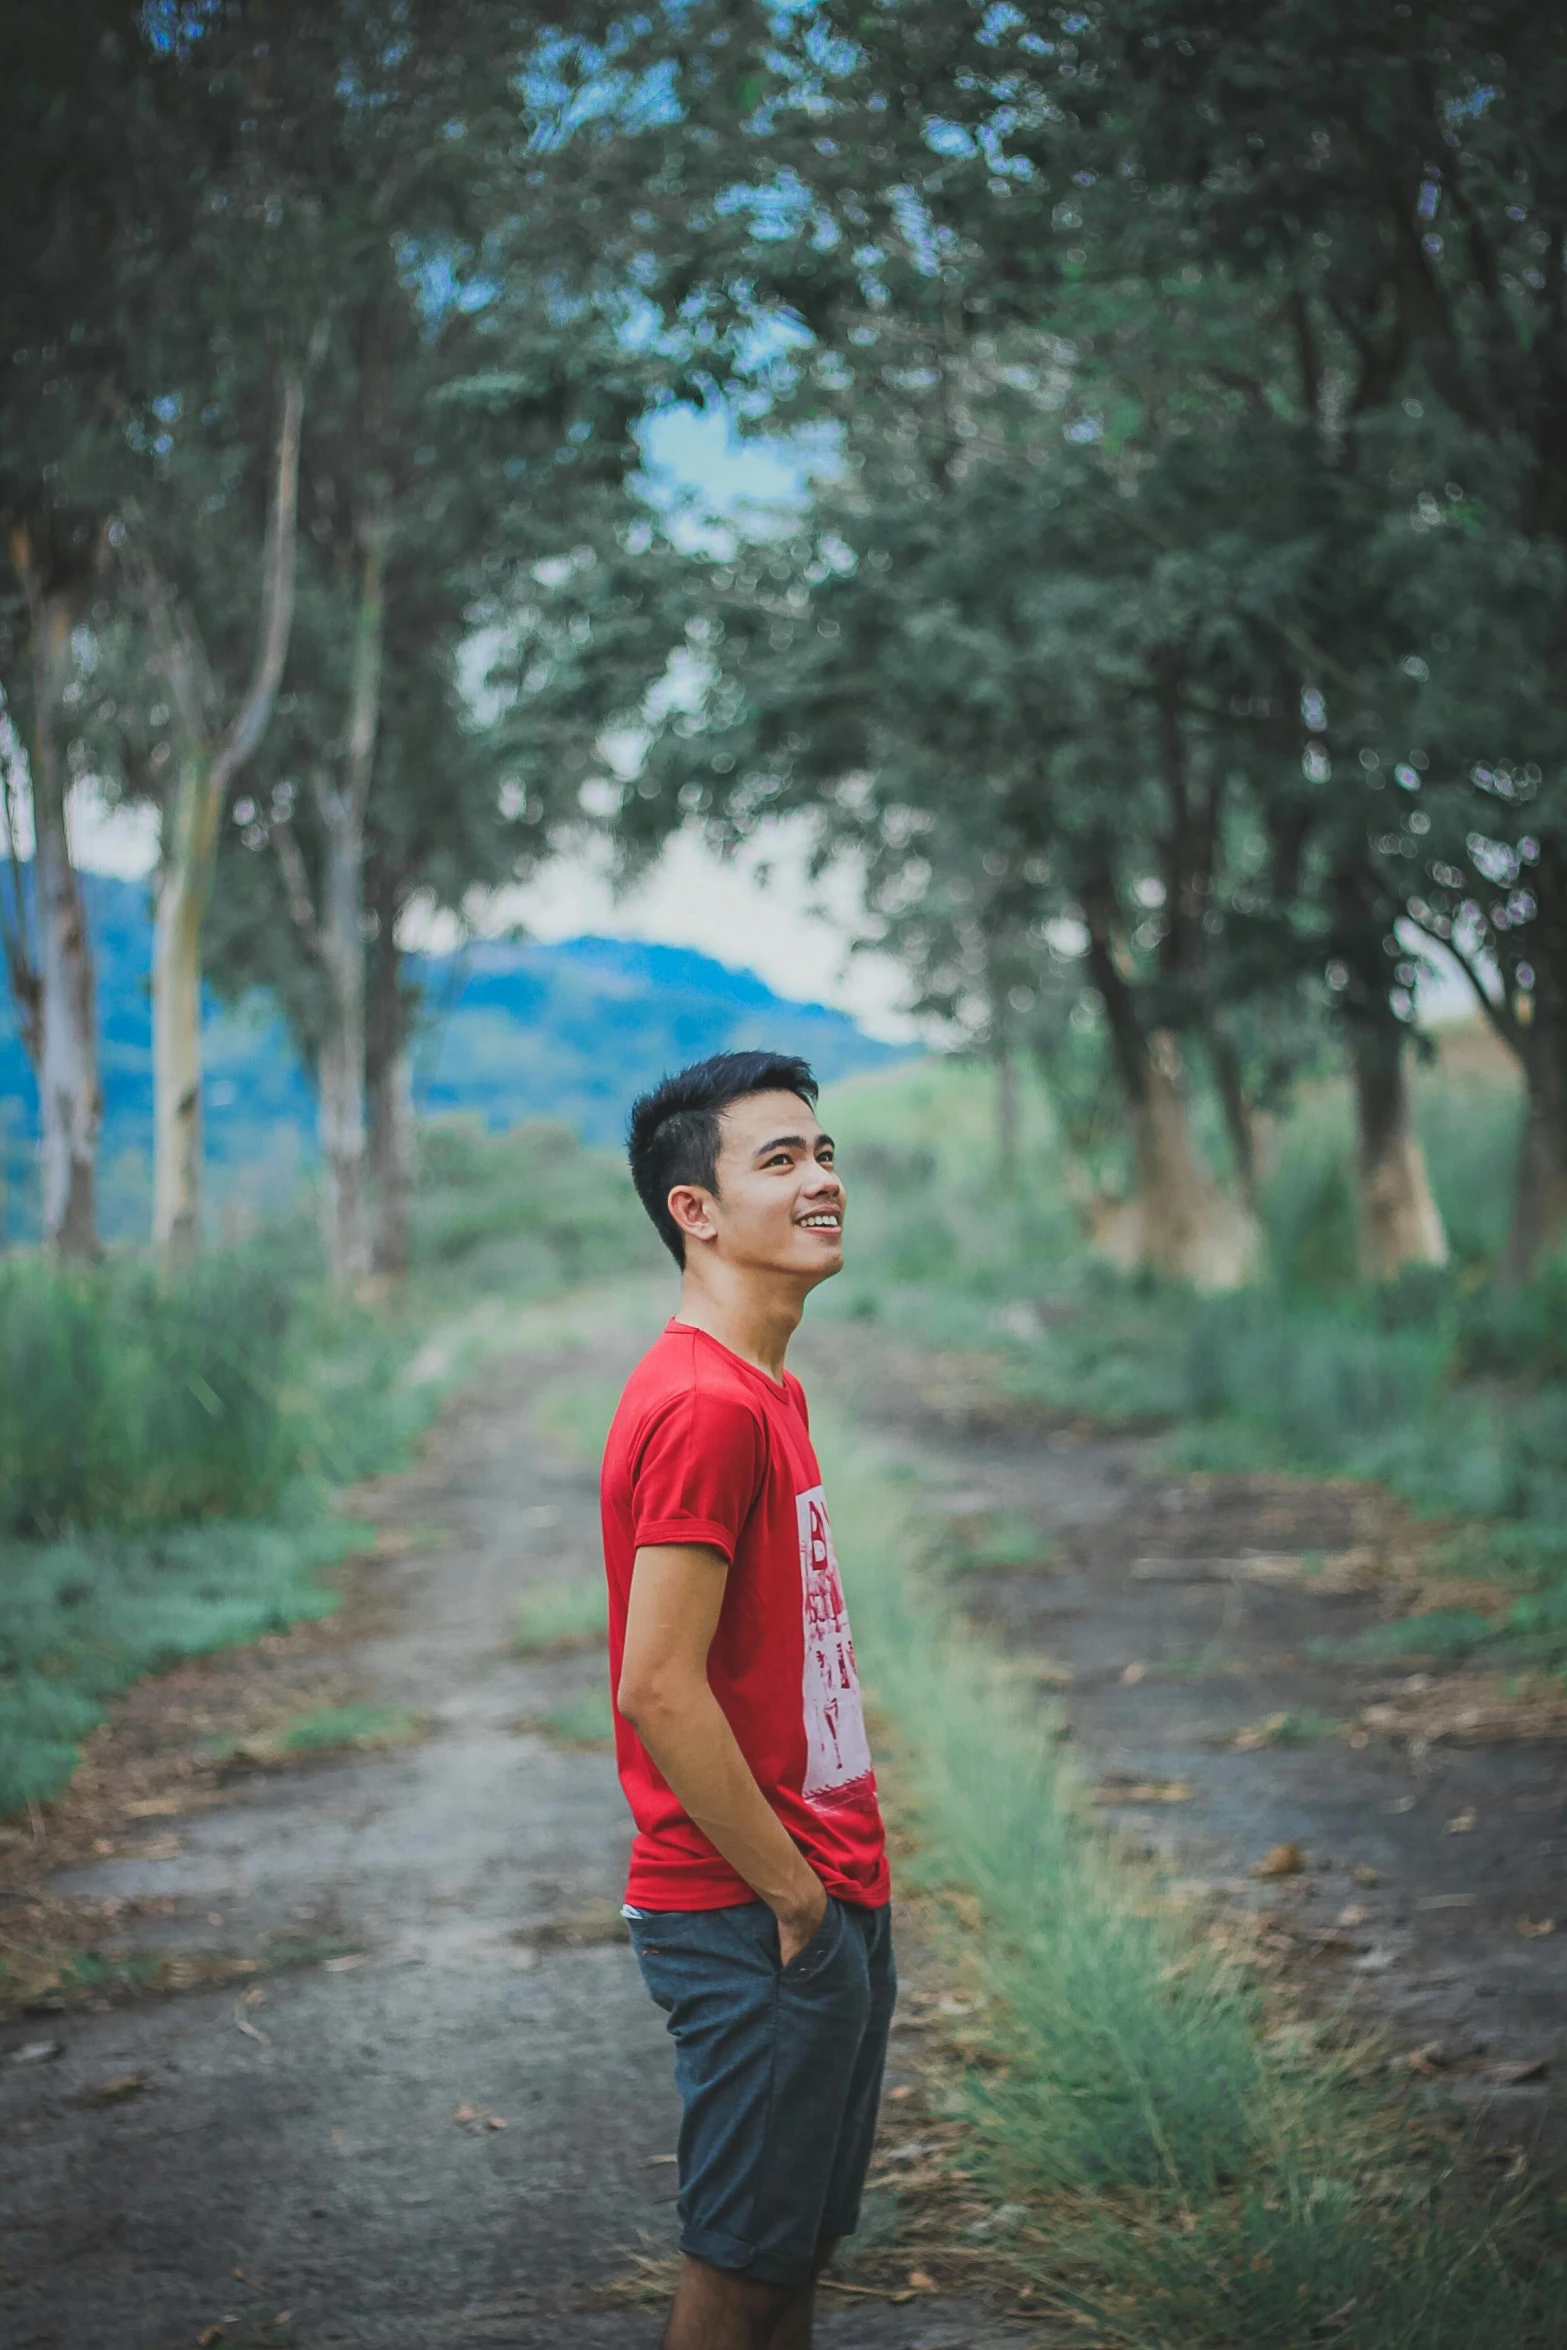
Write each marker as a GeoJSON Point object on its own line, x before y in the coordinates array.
{"type": "Point", "coordinates": [820, 1223]}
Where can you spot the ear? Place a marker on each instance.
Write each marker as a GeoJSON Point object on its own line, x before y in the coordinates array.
{"type": "Point", "coordinates": [691, 1208]}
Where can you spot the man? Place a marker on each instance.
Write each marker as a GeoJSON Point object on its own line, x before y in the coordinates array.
{"type": "Point", "coordinates": [758, 1892]}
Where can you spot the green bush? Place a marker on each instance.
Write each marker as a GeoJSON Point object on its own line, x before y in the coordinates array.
{"type": "Point", "coordinates": [1321, 1382]}
{"type": "Point", "coordinates": [1518, 1333]}
{"type": "Point", "coordinates": [127, 1400]}
{"type": "Point", "coordinates": [81, 1619]}
{"type": "Point", "coordinates": [165, 1446]}
{"type": "Point", "coordinates": [556, 1616]}
{"type": "Point", "coordinates": [1444, 1385]}
{"type": "Point", "coordinates": [530, 1207]}
{"type": "Point", "coordinates": [166, 1442]}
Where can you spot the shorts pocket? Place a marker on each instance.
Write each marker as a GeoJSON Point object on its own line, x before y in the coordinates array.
{"type": "Point", "coordinates": [806, 1964]}
{"type": "Point", "coordinates": [659, 1933]}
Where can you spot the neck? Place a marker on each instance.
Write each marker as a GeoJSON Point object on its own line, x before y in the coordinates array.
{"type": "Point", "coordinates": [753, 1315]}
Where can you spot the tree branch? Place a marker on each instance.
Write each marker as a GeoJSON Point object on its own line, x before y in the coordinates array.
{"type": "Point", "coordinates": [1306, 354]}
{"type": "Point", "coordinates": [296, 883]}
{"type": "Point", "coordinates": [21, 961]}
{"type": "Point", "coordinates": [180, 655]}
{"type": "Point", "coordinates": [1501, 1016]}
{"type": "Point", "coordinates": [369, 639]}
{"type": "Point", "coordinates": [1287, 631]}
{"type": "Point", "coordinates": [1483, 258]}
{"type": "Point", "coordinates": [277, 613]}
{"type": "Point", "coordinates": [1127, 1042]}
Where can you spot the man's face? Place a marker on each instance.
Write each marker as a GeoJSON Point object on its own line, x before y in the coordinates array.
{"type": "Point", "coordinates": [779, 1204]}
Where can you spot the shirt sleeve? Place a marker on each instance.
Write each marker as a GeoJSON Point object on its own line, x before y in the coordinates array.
{"type": "Point", "coordinates": [698, 1471]}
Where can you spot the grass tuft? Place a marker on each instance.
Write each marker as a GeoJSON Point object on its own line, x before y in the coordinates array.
{"type": "Point", "coordinates": [1198, 2185]}
{"type": "Point", "coordinates": [586, 1720]}
{"type": "Point", "coordinates": [555, 1617]}
{"type": "Point", "coordinates": [82, 1619]}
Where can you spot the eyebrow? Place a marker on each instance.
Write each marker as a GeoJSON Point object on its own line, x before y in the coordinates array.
{"type": "Point", "coordinates": [791, 1142]}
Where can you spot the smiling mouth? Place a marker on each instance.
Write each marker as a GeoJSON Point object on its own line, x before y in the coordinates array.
{"type": "Point", "coordinates": [831, 1222]}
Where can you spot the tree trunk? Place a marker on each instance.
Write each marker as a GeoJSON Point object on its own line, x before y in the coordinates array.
{"type": "Point", "coordinates": [1397, 1220]}
{"type": "Point", "coordinates": [389, 1079]}
{"type": "Point", "coordinates": [342, 1074]}
{"type": "Point", "coordinates": [340, 1080]}
{"type": "Point", "coordinates": [1006, 1113]}
{"type": "Point", "coordinates": [1190, 1230]}
{"type": "Point", "coordinates": [70, 1097]}
{"type": "Point", "coordinates": [1539, 1217]}
{"type": "Point", "coordinates": [190, 834]}
{"type": "Point", "coordinates": [392, 1147]}
{"type": "Point", "coordinates": [206, 773]}
{"type": "Point", "coordinates": [1240, 1122]}
{"type": "Point", "coordinates": [1178, 1223]}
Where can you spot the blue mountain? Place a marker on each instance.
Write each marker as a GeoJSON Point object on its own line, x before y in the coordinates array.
{"type": "Point", "coordinates": [506, 1031]}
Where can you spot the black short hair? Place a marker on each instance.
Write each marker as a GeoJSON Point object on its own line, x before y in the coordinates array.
{"type": "Point", "coordinates": [672, 1134]}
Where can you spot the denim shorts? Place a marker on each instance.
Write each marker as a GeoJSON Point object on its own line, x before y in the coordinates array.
{"type": "Point", "coordinates": [779, 2071]}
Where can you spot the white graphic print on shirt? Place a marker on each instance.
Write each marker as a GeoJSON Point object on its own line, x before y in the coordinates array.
{"type": "Point", "coordinates": [836, 1753]}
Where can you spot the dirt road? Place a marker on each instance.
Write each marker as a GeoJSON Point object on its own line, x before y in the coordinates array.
{"type": "Point", "coordinates": [430, 2108]}
{"type": "Point", "coordinates": [1417, 1810]}
{"type": "Point", "coordinates": [437, 2112]}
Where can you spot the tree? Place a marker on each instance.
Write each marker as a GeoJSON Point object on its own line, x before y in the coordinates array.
{"type": "Point", "coordinates": [66, 166]}
{"type": "Point", "coordinates": [1128, 174]}
{"type": "Point", "coordinates": [53, 983]}
{"type": "Point", "coordinates": [441, 215]}
{"type": "Point", "coordinates": [1404, 167]}
{"type": "Point", "coordinates": [214, 748]}
{"type": "Point", "coordinates": [971, 667]}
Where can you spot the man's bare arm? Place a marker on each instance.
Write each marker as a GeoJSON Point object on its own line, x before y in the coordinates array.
{"type": "Point", "coordinates": [677, 1589]}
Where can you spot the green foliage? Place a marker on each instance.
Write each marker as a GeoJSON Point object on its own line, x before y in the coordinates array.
{"type": "Point", "coordinates": [529, 1209]}
{"type": "Point", "coordinates": [1000, 1541]}
{"type": "Point", "coordinates": [1518, 1333]}
{"type": "Point", "coordinates": [932, 1214]}
{"type": "Point", "coordinates": [557, 1616]}
{"type": "Point", "coordinates": [167, 1443]}
{"type": "Point", "coordinates": [83, 1618]}
{"type": "Point", "coordinates": [1204, 2183]}
{"type": "Point", "coordinates": [1446, 1388]}
{"type": "Point", "coordinates": [330, 1726]}
{"type": "Point", "coordinates": [575, 1417]}
{"type": "Point", "coordinates": [1172, 631]}
{"type": "Point", "coordinates": [126, 1399]}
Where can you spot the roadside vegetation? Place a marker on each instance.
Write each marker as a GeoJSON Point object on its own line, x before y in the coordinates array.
{"type": "Point", "coordinates": [1448, 1385]}
{"type": "Point", "coordinates": [1174, 2158]}
{"type": "Point", "coordinates": [171, 1444]}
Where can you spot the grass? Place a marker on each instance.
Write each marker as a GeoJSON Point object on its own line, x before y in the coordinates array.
{"type": "Point", "coordinates": [169, 1446]}
{"type": "Point", "coordinates": [1444, 1387]}
{"type": "Point", "coordinates": [322, 1729]}
{"type": "Point", "coordinates": [555, 1617]}
{"type": "Point", "coordinates": [586, 1720]}
{"type": "Point", "coordinates": [328, 1726]}
{"type": "Point", "coordinates": [575, 1415]}
{"type": "Point", "coordinates": [1196, 2176]}
{"type": "Point", "coordinates": [161, 1556]}
{"type": "Point", "coordinates": [50, 1977]}
{"type": "Point", "coordinates": [998, 1541]}
{"type": "Point", "coordinates": [530, 1211]}
{"type": "Point", "coordinates": [81, 1619]}
{"type": "Point", "coordinates": [126, 1400]}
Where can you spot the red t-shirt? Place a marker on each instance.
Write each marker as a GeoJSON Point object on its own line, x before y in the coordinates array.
{"type": "Point", "coordinates": [706, 1448]}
